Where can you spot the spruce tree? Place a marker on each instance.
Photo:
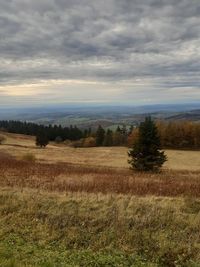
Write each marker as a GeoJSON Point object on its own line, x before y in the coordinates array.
{"type": "Point", "coordinates": [145, 155]}
{"type": "Point", "coordinates": [100, 134]}
{"type": "Point", "coordinates": [41, 139]}
{"type": "Point", "coordinates": [108, 140]}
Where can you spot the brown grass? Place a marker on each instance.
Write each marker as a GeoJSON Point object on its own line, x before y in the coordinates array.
{"type": "Point", "coordinates": [20, 145]}
{"type": "Point", "coordinates": [64, 177]}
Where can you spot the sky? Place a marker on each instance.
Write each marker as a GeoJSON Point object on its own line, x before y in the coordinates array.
{"type": "Point", "coordinates": [90, 51]}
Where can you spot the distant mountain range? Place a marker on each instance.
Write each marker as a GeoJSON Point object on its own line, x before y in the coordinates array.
{"type": "Point", "coordinates": [193, 115]}
{"type": "Point", "coordinates": [107, 116]}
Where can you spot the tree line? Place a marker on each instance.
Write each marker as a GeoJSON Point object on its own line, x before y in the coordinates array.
{"type": "Point", "coordinates": [50, 131]}
{"type": "Point", "coordinates": [177, 135]}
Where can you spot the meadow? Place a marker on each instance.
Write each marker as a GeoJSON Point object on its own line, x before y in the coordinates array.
{"type": "Point", "coordinates": [63, 206]}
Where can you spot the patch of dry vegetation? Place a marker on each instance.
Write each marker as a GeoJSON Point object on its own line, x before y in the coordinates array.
{"type": "Point", "coordinates": [67, 207]}
{"type": "Point", "coordinates": [80, 178]}
{"type": "Point", "coordinates": [20, 145]}
{"type": "Point", "coordinates": [81, 229]}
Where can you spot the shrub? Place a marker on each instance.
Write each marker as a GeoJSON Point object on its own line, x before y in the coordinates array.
{"type": "Point", "coordinates": [89, 142]}
{"type": "Point", "coordinates": [58, 140]}
{"type": "Point", "coordinates": [42, 140]}
{"type": "Point", "coordinates": [67, 142]}
{"type": "Point", "coordinates": [78, 143]}
{"type": "Point", "coordinates": [2, 139]}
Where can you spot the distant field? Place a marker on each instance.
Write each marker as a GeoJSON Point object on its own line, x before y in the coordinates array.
{"type": "Point", "coordinates": [85, 208]}
{"type": "Point", "coordinates": [18, 145]}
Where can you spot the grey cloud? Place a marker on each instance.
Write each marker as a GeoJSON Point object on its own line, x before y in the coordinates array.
{"type": "Point", "coordinates": [60, 39]}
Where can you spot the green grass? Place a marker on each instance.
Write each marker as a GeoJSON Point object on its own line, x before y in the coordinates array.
{"type": "Point", "coordinates": [79, 229]}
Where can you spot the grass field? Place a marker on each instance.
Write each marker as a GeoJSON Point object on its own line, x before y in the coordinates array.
{"type": "Point", "coordinates": [84, 207]}
{"type": "Point", "coordinates": [19, 145]}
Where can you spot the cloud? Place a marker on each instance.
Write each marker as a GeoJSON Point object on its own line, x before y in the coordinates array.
{"type": "Point", "coordinates": [112, 42]}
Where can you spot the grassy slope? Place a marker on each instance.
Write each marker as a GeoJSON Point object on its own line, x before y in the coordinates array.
{"type": "Point", "coordinates": [74, 215]}
{"type": "Point", "coordinates": [97, 230]}
{"type": "Point", "coordinates": [18, 145]}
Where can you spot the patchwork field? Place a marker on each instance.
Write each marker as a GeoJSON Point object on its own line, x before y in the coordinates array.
{"type": "Point", "coordinates": [84, 207]}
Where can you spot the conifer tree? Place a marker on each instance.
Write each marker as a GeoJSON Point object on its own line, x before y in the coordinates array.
{"type": "Point", "coordinates": [108, 140]}
{"type": "Point", "coordinates": [145, 155]}
{"type": "Point", "coordinates": [100, 134]}
{"type": "Point", "coordinates": [41, 139]}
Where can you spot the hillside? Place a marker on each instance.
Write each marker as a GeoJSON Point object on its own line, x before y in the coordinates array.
{"type": "Point", "coordinates": [84, 207]}
{"type": "Point", "coordinates": [107, 116]}
{"type": "Point", "coordinates": [193, 115]}
{"type": "Point", "coordinates": [19, 145]}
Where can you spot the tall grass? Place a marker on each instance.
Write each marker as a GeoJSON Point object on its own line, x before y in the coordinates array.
{"type": "Point", "coordinates": [79, 229]}
{"type": "Point", "coordinates": [54, 215]}
{"type": "Point", "coordinates": [80, 178]}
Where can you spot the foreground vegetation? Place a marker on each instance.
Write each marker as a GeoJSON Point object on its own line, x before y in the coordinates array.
{"type": "Point", "coordinates": [74, 213]}
{"type": "Point", "coordinates": [62, 177]}
{"type": "Point", "coordinates": [20, 145]}
{"type": "Point", "coordinates": [79, 229]}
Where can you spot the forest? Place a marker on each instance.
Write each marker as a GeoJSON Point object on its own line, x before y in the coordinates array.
{"type": "Point", "coordinates": [173, 134]}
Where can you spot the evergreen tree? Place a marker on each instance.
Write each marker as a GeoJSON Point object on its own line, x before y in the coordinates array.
{"type": "Point", "coordinates": [118, 129]}
{"type": "Point", "coordinates": [118, 137]}
{"type": "Point", "coordinates": [108, 140]}
{"type": "Point", "coordinates": [58, 140]}
{"type": "Point", "coordinates": [41, 139]}
{"type": "Point", "coordinates": [100, 136]}
{"type": "Point", "coordinates": [145, 155]}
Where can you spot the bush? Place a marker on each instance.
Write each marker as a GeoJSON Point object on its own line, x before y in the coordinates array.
{"type": "Point", "coordinates": [2, 139]}
{"type": "Point", "coordinates": [67, 142]}
{"type": "Point", "coordinates": [84, 142]}
{"type": "Point", "coordinates": [41, 139]}
{"type": "Point", "coordinates": [78, 143]}
{"type": "Point", "coordinates": [58, 140]}
{"type": "Point", "coordinates": [89, 142]}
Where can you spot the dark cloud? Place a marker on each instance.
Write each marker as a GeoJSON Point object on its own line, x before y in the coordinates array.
{"type": "Point", "coordinates": [108, 40]}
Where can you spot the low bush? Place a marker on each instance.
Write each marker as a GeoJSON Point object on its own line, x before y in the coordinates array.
{"type": "Point", "coordinates": [2, 139]}
{"type": "Point", "coordinates": [89, 142]}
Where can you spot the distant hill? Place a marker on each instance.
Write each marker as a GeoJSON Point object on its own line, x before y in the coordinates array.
{"type": "Point", "coordinates": [193, 115]}
{"type": "Point", "coordinates": [107, 116]}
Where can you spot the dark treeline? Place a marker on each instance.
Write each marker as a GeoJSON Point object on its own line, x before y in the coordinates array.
{"type": "Point", "coordinates": [52, 132]}
{"type": "Point", "coordinates": [175, 135]}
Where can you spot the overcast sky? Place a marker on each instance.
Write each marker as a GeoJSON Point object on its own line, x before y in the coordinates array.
{"type": "Point", "coordinates": [104, 51]}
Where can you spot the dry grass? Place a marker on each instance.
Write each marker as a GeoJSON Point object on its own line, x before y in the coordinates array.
{"type": "Point", "coordinates": [61, 168]}
{"type": "Point", "coordinates": [81, 229]}
{"type": "Point", "coordinates": [19, 145]}
{"type": "Point", "coordinates": [73, 207]}
{"type": "Point", "coordinates": [80, 178]}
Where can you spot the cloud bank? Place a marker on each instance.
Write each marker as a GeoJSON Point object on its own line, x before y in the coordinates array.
{"type": "Point", "coordinates": [130, 51]}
